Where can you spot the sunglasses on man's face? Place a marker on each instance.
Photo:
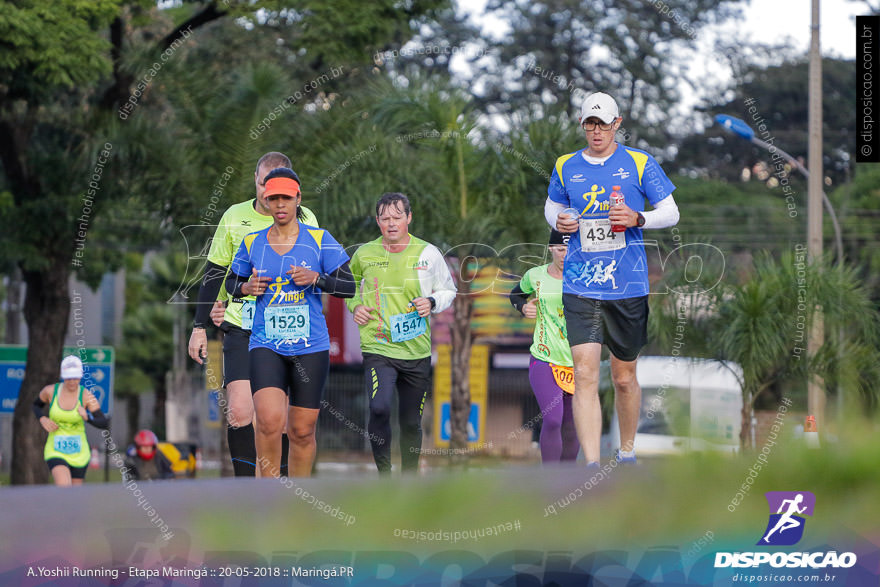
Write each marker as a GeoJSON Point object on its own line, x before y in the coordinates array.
{"type": "Point", "coordinates": [590, 125]}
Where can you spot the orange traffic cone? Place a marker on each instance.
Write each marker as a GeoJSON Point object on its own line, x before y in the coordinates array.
{"type": "Point", "coordinates": [811, 434]}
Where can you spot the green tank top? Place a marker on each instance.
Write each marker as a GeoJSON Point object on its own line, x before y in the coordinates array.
{"type": "Point", "coordinates": [550, 341]}
{"type": "Point", "coordinates": [69, 441]}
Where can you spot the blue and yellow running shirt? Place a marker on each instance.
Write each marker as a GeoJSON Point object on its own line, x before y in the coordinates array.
{"type": "Point", "coordinates": [238, 221]}
{"type": "Point", "coordinates": [602, 264]}
{"type": "Point", "coordinates": [289, 319]}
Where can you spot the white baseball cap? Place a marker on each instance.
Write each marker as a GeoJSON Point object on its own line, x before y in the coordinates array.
{"type": "Point", "coordinates": [71, 368]}
{"type": "Point", "coordinates": [600, 105]}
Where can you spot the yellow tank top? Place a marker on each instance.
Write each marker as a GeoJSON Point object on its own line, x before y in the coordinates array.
{"type": "Point", "coordinates": [69, 441]}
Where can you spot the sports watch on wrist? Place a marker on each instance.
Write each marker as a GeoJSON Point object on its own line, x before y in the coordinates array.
{"type": "Point", "coordinates": [433, 302]}
{"type": "Point", "coordinates": [640, 221]}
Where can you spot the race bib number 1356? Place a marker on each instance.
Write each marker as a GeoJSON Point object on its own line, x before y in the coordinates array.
{"type": "Point", "coordinates": [67, 444]}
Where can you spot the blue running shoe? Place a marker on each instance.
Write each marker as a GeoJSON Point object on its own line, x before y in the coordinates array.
{"type": "Point", "coordinates": [593, 465]}
{"type": "Point", "coordinates": [625, 460]}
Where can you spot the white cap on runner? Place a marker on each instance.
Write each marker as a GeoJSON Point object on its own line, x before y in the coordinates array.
{"type": "Point", "coordinates": [71, 368]}
{"type": "Point", "coordinates": [600, 105]}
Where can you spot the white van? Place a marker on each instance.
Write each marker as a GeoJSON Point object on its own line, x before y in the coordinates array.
{"type": "Point", "coordinates": [687, 404]}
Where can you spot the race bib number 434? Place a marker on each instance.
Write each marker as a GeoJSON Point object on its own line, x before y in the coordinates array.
{"type": "Point", "coordinates": [597, 236]}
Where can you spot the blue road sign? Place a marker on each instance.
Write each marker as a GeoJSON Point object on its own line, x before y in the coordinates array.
{"type": "Point", "coordinates": [473, 427]}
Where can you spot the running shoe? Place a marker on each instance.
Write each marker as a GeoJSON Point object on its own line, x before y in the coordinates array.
{"type": "Point", "coordinates": [625, 460]}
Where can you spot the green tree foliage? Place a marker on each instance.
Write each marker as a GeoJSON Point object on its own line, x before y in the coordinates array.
{"type": "Point", "coordinates": [737, 217]}
{"type": "Point", "coordinates": [47, 159]}
{"type": "Point", "coordinates": [448, 45]}
{"type": "Point", "coordinates": [146, 357]}
{"type": "Point", "coordinates": [53, 44]}
{"type": "Point", "coordinates": [763, 322]}
{"type": "Point", "coordinates": [559, 50]}
{"type": "Point", "coordinates": [528, 153]}
{"type": "Point", "coordinates": [858, 204]}
{"type": "Point", "coordinates": [777, 95]}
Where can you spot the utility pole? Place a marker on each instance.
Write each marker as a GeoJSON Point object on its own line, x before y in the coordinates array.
{"type": "Point", "coordinates": [178, 402]}
{"type": "Point", "coordinates": [815, 391]}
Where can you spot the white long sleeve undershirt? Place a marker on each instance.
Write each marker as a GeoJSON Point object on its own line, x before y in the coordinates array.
{"type": "Point", "coordinates": [664, 214]}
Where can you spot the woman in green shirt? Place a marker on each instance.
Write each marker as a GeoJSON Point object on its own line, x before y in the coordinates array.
{"type": "Point", "coordinates": [71, 405]}
{"type": "Point", "coordinates": [539, 295]}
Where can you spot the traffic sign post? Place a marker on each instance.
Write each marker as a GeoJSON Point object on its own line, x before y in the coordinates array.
{"type": "Point", "coordinates": [479, 388]}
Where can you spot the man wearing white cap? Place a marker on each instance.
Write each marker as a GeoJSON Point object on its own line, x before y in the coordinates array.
{"type": "Point", "coordinates": [597, 194]}
{"type": "Point", "coordinates": [70, 404]}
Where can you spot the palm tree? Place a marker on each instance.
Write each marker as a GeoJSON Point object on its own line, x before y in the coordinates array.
{"type": "Point", "coordinates": [763, 324]}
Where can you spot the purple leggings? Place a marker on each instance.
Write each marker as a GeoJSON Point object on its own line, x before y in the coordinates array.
{"type": "Point", "coordinates": [558, 436]}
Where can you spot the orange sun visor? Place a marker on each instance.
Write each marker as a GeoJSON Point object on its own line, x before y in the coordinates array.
{"type": "Point", "coordinates": [284, 186]}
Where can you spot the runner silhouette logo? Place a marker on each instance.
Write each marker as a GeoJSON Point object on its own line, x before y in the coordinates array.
{"type": "Point", "coordinates": [786, 524]}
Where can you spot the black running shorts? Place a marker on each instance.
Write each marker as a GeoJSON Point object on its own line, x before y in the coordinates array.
{"type": "Point", "coordinates": [303, 375]}
{"type": "Point", "coordinates": [620, 324]}
{"type": "Point", "coordinates": [75, 472]}
{"type": "Point", "coordinates": [235, 354]}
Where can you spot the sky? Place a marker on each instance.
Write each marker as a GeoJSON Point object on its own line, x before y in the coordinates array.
{"type": "Point", "coordinates": [784, 22]}
{"type": "Point", "coordinates": [775, 19]}
{"type": "Point", "coordinates": [781, 22]}
{"type": "Point", "coordinates": [772, 20]}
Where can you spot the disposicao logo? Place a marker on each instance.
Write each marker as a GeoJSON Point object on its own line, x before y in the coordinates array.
{"type": "Point", "coordinates": [785, 527]}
